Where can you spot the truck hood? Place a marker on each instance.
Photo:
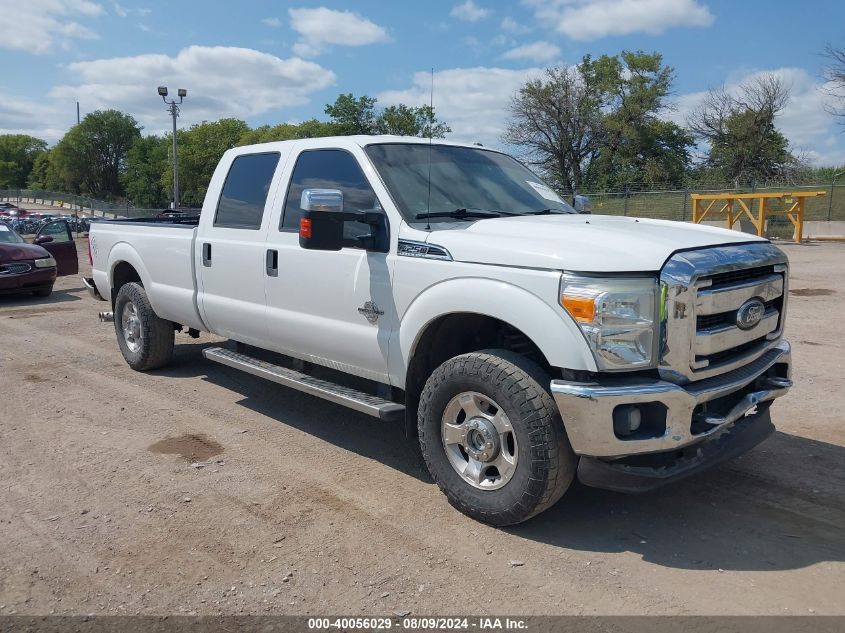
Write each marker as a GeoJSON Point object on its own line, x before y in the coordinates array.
{"type": "Point", "coordinates": [17, 252]}
{"type": "Point", "coordinates": [587, 243]}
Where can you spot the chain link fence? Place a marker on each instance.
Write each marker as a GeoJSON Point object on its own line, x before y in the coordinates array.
{"type": "Point", "coordinates": [633, 200]}
{"type": "Point", "coordinates": [675, 204]}
{"type": "Point", "coordinates": [78, 211]}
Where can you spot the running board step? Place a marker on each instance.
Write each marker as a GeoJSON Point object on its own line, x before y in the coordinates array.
{"type": "Point", "coordinates": [352, 398]}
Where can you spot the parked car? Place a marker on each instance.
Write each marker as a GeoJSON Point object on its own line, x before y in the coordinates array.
{"type": "Point", "coordinates": [522, 341]}
{"type": "Point", "coordinates": [26, 267]}
{"type": "Point", "coordinates": [9, 209]}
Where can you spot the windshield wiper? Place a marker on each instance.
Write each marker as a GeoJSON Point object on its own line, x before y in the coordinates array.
{"type": "Point", "coordinates": [548, 212]}
{"type": "Point", "coordinates": [463, 214]}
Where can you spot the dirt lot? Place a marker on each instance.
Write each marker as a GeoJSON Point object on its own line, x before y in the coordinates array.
{"type": "Point", "coordinates": [306, 507]}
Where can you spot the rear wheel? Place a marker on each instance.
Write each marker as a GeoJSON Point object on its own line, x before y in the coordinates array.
{"type": "Point", "coordinates": [492, 437]}
{"type": "Point", "coordinates": [145, 340]}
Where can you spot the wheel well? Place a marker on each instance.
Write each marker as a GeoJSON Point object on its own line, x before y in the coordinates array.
{"type": "Point", "coordinates": [454, 334]}
{"type": "Point", "coordinates": [123, 274]}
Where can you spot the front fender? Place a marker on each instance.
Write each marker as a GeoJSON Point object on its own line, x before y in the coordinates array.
{"type": "Point", "coordinates": [551, 329]}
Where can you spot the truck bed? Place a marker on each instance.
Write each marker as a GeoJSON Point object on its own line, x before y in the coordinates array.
{"type": "Point", "coordinates": [161, 251]}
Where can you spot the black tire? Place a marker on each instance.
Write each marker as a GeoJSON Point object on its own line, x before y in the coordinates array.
{"type": "Point", "coordinates": [43, 292]}
{"type": "Point", "coordinates": [545, 465]}
{"type": "Point", "coordinates": [155, 344]}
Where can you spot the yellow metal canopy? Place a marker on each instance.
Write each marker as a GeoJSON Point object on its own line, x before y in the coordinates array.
{"type": "Point", "coordinates": [735, 205]}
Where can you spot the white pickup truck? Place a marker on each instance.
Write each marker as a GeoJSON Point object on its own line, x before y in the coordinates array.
{"type": "Point", "coordinates": [445, 284]}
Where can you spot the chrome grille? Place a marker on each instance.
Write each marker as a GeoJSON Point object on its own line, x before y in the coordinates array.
{"type": "Point", "coordinates": [702, 292]}
{"type": "Point", "coordinates": [16, 268]}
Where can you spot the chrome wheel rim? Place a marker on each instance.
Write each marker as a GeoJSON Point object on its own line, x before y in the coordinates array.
{"type": "Point", "coordinates": [131, 326]}
{"type": "Point", "coordinates": [479, 440]}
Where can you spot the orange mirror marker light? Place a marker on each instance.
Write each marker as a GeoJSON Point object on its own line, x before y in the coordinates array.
{"type": "Point", "coordinates": [305, 228]}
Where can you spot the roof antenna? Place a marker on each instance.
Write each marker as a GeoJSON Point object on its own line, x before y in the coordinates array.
{"type": "Point", "coordinates": [430, 132]}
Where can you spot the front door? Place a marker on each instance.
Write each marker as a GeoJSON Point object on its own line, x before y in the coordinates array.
{"type": "Point", "coordinates": [55, 237]}
{"type": "Point", "coordinates": [229, 252]}
{"type": "Point", "coordinates": [331, 307]}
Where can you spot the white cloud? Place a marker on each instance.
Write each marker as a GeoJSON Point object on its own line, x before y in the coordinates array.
{"type": "Point", "coordinates": [272, 22]}
{"type": "Point", "coordinates": [124, 12]}
{"type": "Point", "coordinates": [468, 11]}
{"type": "Point", "coordinates": [535, 51]}
{"type": "Point", "coordinates": [36, 26]}
{"type": "Point", "coordinates": [805, 120]}
{"type": "Point", "coordinates": [473, 101]}
{"type": "Point", "coordinates": [221, 81]}
{"type": "Point", "coordinates": [509, 25]}
{"type": "Point", "coordinates": [321, 27]}
{"type": "Point", "coordinates": [586, 20]}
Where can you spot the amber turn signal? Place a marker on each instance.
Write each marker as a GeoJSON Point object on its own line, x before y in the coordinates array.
{"type": "Point", "coordinates": [582, 309]}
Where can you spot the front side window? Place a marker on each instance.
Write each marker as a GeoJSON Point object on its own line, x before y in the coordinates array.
{"type": "Point", "coordinates": [244, 195]}
{"type": "Point", "coordinates": [426, 178]}
{"type": "Point", "coordinates": [330, 169]}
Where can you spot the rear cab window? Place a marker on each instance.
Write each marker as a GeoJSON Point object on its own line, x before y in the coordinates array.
{"type": "Point", "coordinates": [244, 195]}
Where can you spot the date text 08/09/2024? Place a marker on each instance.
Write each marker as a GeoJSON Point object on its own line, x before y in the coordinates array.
{"type": "Point", "coordinates": [419, 623]}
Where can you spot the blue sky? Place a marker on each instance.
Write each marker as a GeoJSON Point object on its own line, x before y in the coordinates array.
{"type": "Point", "coordinates": [270, 62]}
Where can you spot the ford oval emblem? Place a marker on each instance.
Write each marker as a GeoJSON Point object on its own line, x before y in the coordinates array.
{"type": "Point", "coordinates": [750, 314]}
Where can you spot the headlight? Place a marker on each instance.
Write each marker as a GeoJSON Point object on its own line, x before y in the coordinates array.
{"type": "Point", "coordinates": [45, 262]}
{"type": "Point", "coordinates": [617, 317]}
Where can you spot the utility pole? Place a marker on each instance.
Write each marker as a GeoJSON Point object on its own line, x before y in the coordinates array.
{"type": "Point", "coordinates": [77, 112]}
{"type": "Point", "coordinates": [173, 108]}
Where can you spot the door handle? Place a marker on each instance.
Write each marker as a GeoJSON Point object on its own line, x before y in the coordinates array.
{"type": "Point", "coordinates": [272, 262]}
{"type": "Point", "coordinates": [206, 254]}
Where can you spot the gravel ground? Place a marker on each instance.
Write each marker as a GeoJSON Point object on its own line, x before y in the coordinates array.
{"type": "Point", "coordinates": [303, 507]}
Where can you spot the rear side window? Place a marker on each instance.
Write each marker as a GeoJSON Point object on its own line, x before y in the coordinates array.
{"type": "Point", "coordinates": [244, 195]}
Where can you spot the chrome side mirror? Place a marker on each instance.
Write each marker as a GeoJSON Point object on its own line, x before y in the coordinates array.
{"type": "Point", "coordinates": [582, 204]}
{"type": "Point", "coordinates": [321, 200]}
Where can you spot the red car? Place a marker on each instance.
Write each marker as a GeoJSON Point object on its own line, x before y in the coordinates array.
{"type": "Point", "coordinates": [7, 208]}
{"type": "Point", "coordinates": [34, 267]}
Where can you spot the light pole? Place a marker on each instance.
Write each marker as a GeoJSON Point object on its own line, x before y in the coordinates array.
{"type": "Point", "coordinates": [173, 108]}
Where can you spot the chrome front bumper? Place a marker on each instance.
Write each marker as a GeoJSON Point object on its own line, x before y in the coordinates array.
{"type": "Point", "coordinates": [693, 412]}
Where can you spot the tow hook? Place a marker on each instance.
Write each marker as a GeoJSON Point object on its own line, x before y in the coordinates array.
{"type": "Point", "coordinates": [106, 317]}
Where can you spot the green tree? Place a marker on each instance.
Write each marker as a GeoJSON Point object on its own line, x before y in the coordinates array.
{"type": "Point", "coordinates": [200, 149]}
{"type": "Point", "coordinates": [637, 146]}
{"type": "Point", "coordinates": [598, 124]}
{"type": "Point", "coordinates": [556, 120]}
{"type": "Point", "coordinates": [146, 163]}
{"type": "Point", "coordinates": [91, 157]}
{"type": "Point", "coordinates": [311, 128]}
{"type": "Point", "coordinates": [738, 128]}
{"type": "Point", "coordinates": [18, 153]}
{"type": "Point", "coordinates": [409, 121]}
{"type": "Point", "coordinates": [835, 76]}
{"type": "Point", "coordinates": [353, 116]}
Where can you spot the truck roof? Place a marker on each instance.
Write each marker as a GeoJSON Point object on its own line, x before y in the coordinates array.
{"type": "Point", "coordinates": [361, 140]}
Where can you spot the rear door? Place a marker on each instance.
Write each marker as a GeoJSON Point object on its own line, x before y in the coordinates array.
{"type": "Point", "coordinates": [55, 237]}
{"type": "Point", "coordinates": [229, 252]}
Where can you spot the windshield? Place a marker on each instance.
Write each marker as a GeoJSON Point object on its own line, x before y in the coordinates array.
{"type": "Point", "coordinates": [8, 236]}
{"type": "Point", "coordinates": [462, 179]}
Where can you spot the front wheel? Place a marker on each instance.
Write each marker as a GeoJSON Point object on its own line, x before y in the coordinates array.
{"type": "Point", "coordinates": [145, 340]}
{"type": "Point", "coordinates": [492, 437]}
